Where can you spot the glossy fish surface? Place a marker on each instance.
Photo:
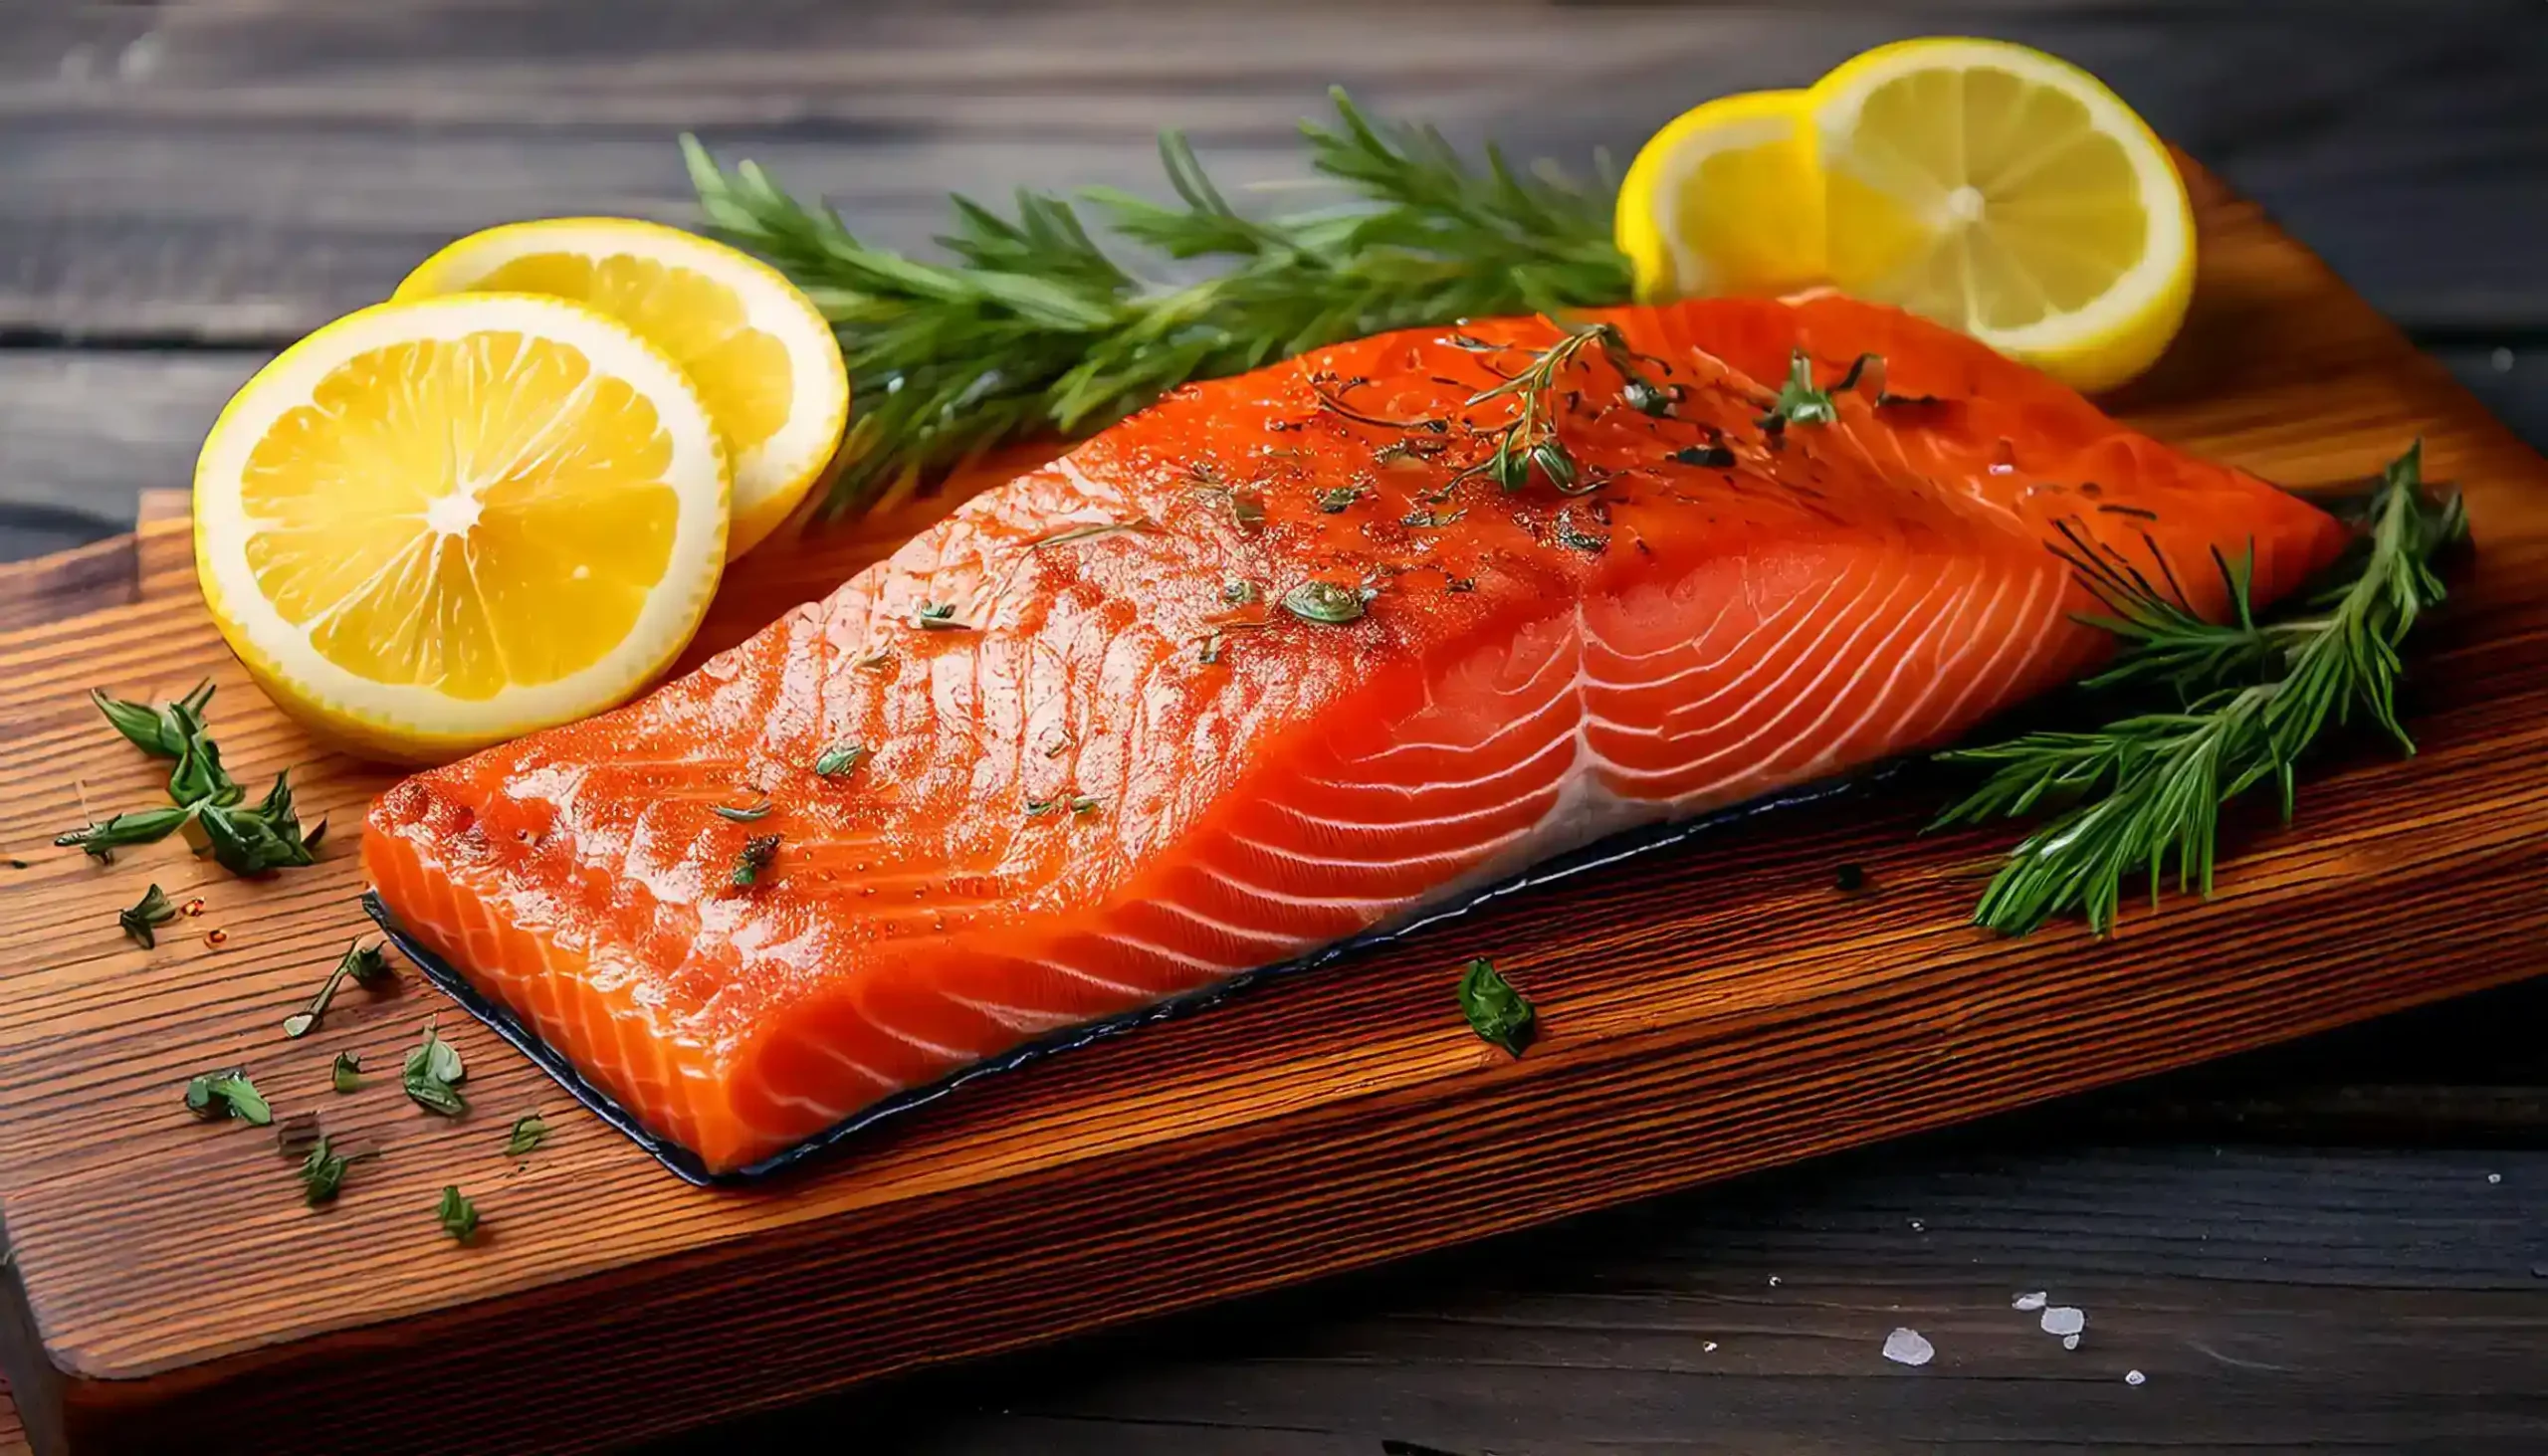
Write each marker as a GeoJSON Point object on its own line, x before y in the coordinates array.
{"type": "Point", "coordinates": [1275, 662]}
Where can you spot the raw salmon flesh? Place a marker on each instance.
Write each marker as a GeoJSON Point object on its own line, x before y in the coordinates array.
{"type": "Point", "coordinates": [1084, 753]}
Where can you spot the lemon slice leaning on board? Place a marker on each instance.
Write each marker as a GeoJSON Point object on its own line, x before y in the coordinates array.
{"type": "Point", "coordinates": [2009, 194]}
{"type": "Point", "coordinates": [762, 354]}
{"type": "Point", "coordinates": [432, 525]}
{"type": "Point", "coordinates": [1725, 199]}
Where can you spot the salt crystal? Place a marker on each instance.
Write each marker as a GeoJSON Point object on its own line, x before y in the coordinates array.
{"type": "Point", "coordinates": [2064, 1320]}
{"type": "Point", "coordinates": [1711, 1345]}
{"type": "Point", "coordinates": [2502, 360]}
{"type": "Point", "coordinates": [1906, 1348]}
{"type": "Point", "coordinates": [2030, 1301]}
{"type": "Point", "coordinates": [2494, 1177]}
{"type": "Point", "coordinates": [1774, 1281]}
{"type": "Point", "coordinates": [2134, 1378]}
{"type": "Point", "coordinates": [1916, 1225]}
{"type": "Point", "coordinates": [2070, 1341]}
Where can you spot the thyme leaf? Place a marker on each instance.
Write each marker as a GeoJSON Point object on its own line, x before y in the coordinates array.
{"type": "Point", "coordinates": [1494, 1011]}
{"type": "Point", "coordinates": [142, 919]}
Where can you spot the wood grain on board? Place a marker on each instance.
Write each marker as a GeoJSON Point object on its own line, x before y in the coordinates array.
{"type": "Point", "coordinates": [1710, 1011]}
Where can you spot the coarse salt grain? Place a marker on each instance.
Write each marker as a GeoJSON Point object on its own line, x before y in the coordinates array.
{"type": "Point", "coordinates": [1907, 1348]}
{"type": "Point", "coordinates": [2063, 1319]}
{"type": "Point", "coordinates": [1774, 1281]}
{"type": "Point", "coordinates": [2030, 1302]}
{"type": "Point", "coordinates": [2070, 1341]}
{"type": "Point", "coordinates": [1710, 1346]}
{"type": "Point", "coordinates": [2134, 1378]}
{"type": "Point", "coordinates": [2494, 1177]}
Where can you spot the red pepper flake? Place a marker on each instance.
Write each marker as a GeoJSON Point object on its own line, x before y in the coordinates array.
{"type": "Point", "coordinates": [216, 938]}
{"type": "Point", "coordinates": [192, 907]}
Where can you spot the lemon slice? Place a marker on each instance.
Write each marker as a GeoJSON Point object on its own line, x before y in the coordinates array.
{"type": "Point", "coordinates": [759, 352]}
{"type": "Point", "coordinates": [1726, 199]}
{"type": "Point", "coordinates": [432, 525]}
{"type": "Point", "coordinates": [2007, 193]}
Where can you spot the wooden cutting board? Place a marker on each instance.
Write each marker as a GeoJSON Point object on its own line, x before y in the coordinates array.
{"type": "Point", "coordinates": [1707, 1011]}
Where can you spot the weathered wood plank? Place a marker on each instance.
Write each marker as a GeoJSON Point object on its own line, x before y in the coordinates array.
{"type": "Point", "coordinates": [243, 172]}
{"type": "Point", "coordinates": [1689, 1036]}
{"type": "Point", "coordinates": [2274, 1300]}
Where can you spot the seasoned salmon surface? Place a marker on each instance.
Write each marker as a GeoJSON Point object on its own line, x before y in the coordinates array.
{"type": "Point", "coordinates": [1269, 664]}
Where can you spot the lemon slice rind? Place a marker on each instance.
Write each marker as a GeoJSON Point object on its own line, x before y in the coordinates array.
{"type": "Point", "coordinates": [412, 723]}
{"type": "Point", "coordinates": [771, 478]}
{"type": "Point", "coordinates": [1768, 132]}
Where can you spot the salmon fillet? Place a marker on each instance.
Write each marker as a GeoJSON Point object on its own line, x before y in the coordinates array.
{"type": "Point", "coordinates": [1105, 764]}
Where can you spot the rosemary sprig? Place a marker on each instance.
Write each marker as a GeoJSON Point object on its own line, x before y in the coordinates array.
{"type": "Point", "coordinates": [143, 920]}
{"type": "Point", "coordinates": [1530, 439]}
{"type": "Point", "coordinates": [2147, 788]}
{"type": "Point", "coordinates": [1032, 328]}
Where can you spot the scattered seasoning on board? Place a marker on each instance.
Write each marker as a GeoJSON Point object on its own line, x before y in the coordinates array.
{"type": "Point", "coordinates": [1849, 878]}
{"type": "Point", "coordinates": [214, 1096]}
{"type": "Point", "coordinates": [433, 1075]}
{"type": "Point", "coordinates": [457, 1215]}
{"type": "Point", "coordinates": [528, 1130]}
{"type": "Point", "coordinates": [216, 938]}
{"type": "Point", "coordinates": [346, 1074]}
{"type": "Point", "coordinates": [141, 920]}
{"type": "Point", "coordinates": [364, 963]}
{"type": "Point", "coordinates": [192, 907]}
{"type": "Point", "coordinates": [1494, 1011]}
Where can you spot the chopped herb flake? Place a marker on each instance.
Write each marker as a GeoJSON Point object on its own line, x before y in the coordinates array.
{"type": "Point", "coordinates": [229, 1094]}
{"type": "Point", "coordinates": [745, 815]}
{"type": "Point", "coordinates": [363, 962]}
{"type": "Point", "coordinates": [1324, 601]}
{"type": "Point", "coordinates": [1238, 592]}
{"type": "Point", "coordinates": [1849, 878]}
{"type": "Point", "coordinates": [1708, 457]}
{"type": "Point", "coordinates": [938, 617]}
{"type": "Point", "coordinates": [529, 1129]}
{"type": "Point", "coordinates": [433, 1075]}
{"type": "Point", "coordinates": [751, 860]}
{"type": "Point", "coordinates": [323, 1173]}
{"type": "Point", "coordinates": [1496, 1012]}
{"type": "Point", "coordinates": [143, 920]}
{"type": "Point", "coordinates": [1337, 501]}
{"type": "Point", "coordinates": [458, 1216]}
{"type": "Point", "coordinates": [1800, 403]}
{"type": "Point", "coordinates": [840, 758]}
{"type": "Point", "coordinates": [346, 1074]}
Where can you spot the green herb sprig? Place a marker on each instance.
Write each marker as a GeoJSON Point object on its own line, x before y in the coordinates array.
{"type": "Point", "coordinates": [434, 1074]}
{"type": "Point", "coordinates": [364, 963]}
{"type": "Point", "coordinates": [1494, 1011]}
{"type": "Point", "coordinates": [205, 801]}
{"type": "Point", "coordinates": [1032, 328]}
{"type": "Point", "coordinates": [530, 1129]}
{"type": "Point", "coordinates": [142, 920]}
{"type": "Point", "coordinates": [2145, 790]}
{"type": "Point", "coordinates": [214, 1096]}
{"type": "Point", "coordinates": [457, 1214]}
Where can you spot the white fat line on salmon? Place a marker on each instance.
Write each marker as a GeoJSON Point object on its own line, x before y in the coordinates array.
{"type": "Point", "coordinates": [1948, 620]}
{"type": "Point", "coordinates": [1799, 607]}
{"type": "Point", "coordinates": [1699, 639]}
{"type": "Point", "coordinates": [1437, 857]}
{"type": "Point", "coordinates": [1803, 698]}
{"type": "Point", "coordinates": [1025, 1019]}
{"type": "Point", "coordinates": [1991, 673]}
{"type": "Point", "coordinates": [1235, 933]}
{"type": "Point", "coordinates": [1817, 651]}
{"type": "Point", "coordinates": [1252, 890]}
{"type": "Point", "coordinates": [1382, 828]}
{"type": "Point", "coordinates": [1440, 785]}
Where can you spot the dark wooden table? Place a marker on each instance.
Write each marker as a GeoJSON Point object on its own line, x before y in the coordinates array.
{"type": "Point", "coordinates": [2342, 1243]}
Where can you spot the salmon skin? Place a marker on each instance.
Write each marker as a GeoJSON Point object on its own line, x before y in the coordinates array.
{"type": "Point", "coordinates": [1275, 663]}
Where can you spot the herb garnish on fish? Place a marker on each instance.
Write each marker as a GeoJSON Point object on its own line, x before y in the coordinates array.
{"type": "Point", "coordinates": [1033, 330]}
{"type": "Point", "coordinates": [2145, 789]}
